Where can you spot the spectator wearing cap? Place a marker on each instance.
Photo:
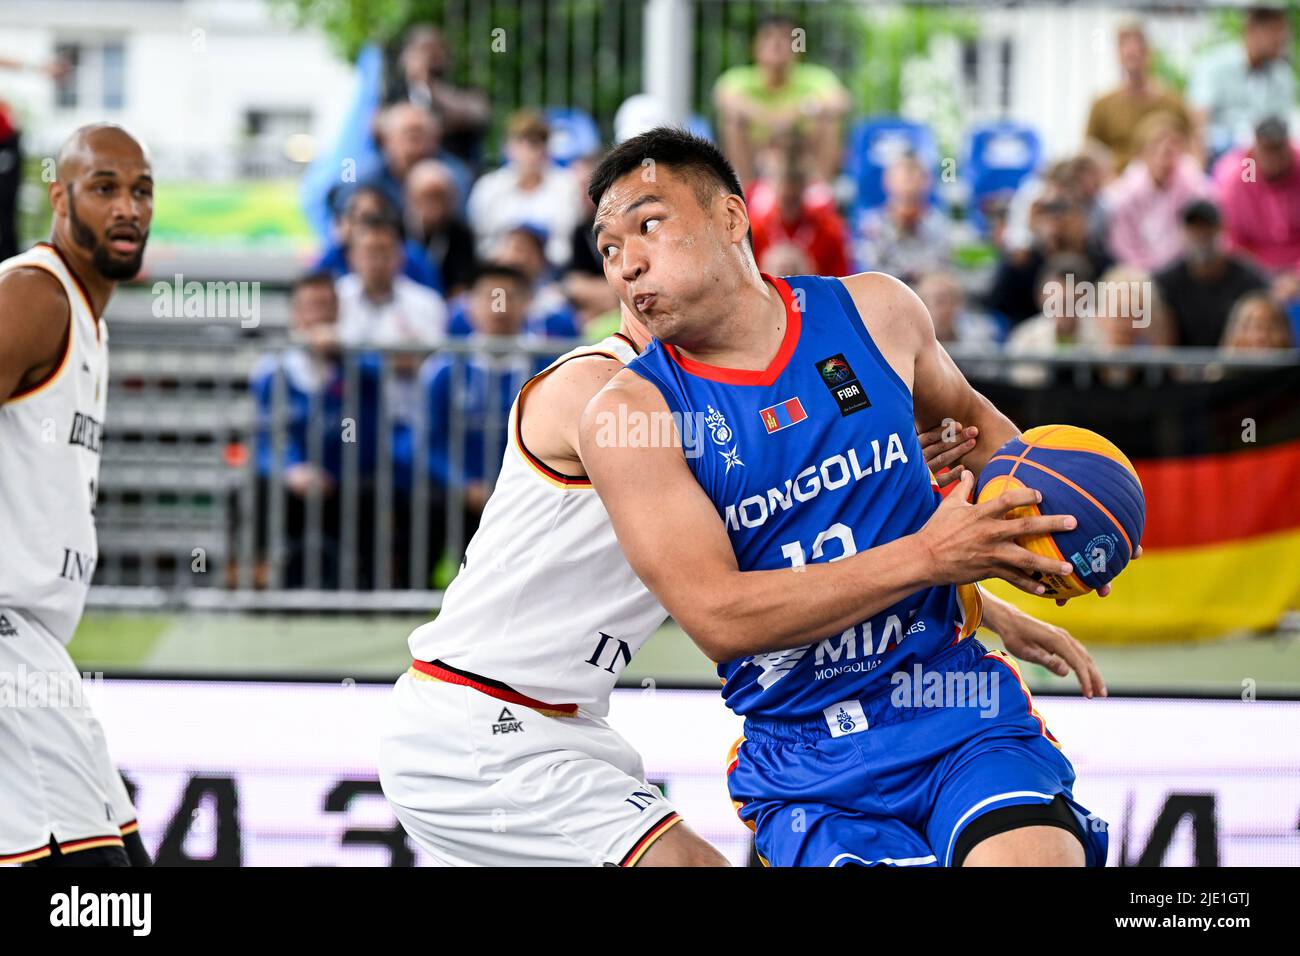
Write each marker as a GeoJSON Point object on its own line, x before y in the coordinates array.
{"type": "Point", "coordinates": [778, 94]}
{"type": "Point", "coordinates": [1259, 192]}
{"type": "Point", "coordinates": [1114, 117]}
{"type": "Point", "coordinates": [1202, 285]}
{"type": "Point", "coordinates": [906, 237]}
{"type": "Point", "coordinates": [424, 79]}
{"type": "Point", "coordinates": [434, 222]}
{"type": "Point", "coordinates": [370, 202]}
{"type": "Point", "coordinates": [529, 188]}
{"type": "Point", "coordinates": [784, 211]}
{"type": "Point", "coordinates": [1236, 86]}
{"type": "Point", "coordinates": [1144, 206]}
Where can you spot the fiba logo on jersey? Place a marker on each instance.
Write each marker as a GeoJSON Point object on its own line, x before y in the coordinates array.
{"type": "Point", "coordinates": [835, 370]}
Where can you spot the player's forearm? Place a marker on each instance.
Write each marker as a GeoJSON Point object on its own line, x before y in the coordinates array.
{"type": "Point", "coordinates": [757, 612]}
{"type": "Point", "coordinates": [995, 430]}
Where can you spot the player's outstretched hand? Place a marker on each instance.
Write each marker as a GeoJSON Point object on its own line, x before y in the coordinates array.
{"type": "Point", "coordinates": [972, 542]}
{"type": "Point", "coordinates": [942, 452]}
{"type": "Point", "coordinates": [1054, 647]}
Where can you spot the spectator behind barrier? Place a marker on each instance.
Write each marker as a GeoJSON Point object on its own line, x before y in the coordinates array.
{"type": "Point", "coordinates": [529, 188]}
{"type": "Point", "coordinates": [1236, 86]}
{"type": "Point", "coordinates": [1201, 286]}
{"type": "Point", "coordinates": [407, 134]}
{"type": "Point", "coordinates": [1257, 324]}
{"type": "Point", "coordinates": [907, 237]}
{"type": "Point", "coordinates": [1114, 117]}
{"type": "Point", "coordinates": [1259, 191]}
{"type": "Point", "coordinates": [954, 324]}
{"type": "Point", "coordinates": [1063, 322]}
{"type": "Point", "coordinates": [1057, 225]}
{"type": "Point", "coordinates": [1129, 313]}
{"type": "Point", "coordinates": [314, 378]}
{"type": "Point", "coordinates": [778, 94]}
{"type": "Point", "coordinates": [433, 219]}
{"type": "Point", "coordinates": [378, 305]}
{"type": "Point", "coordinates": [480, 387]}
{"type": "Point", "coordinates": [783, 210]}
{"type": "Point", "coordinates": [1144, 206]}
{"type": "Point", "coordinates": [549, 313]}
{"type": "Point", "coordinates": [370, 202]}
{"type": "Point", "coordinates": [423, 78]}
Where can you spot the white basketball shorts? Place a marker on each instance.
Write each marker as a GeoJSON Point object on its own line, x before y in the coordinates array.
{"type": "Point", "coordinates": [57, 780]}
{"type": "Point", "coordinates": [481, 781]}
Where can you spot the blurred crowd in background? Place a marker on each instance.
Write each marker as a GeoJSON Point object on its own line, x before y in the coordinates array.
{"type": "Point", "coordinates": [1176, 224]}
{"type": "Point", "coordinates": [1180, 218]}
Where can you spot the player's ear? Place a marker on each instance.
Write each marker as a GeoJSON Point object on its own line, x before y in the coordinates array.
{"type": "Point", "coordinates": [737, 217]}
{"type": "Point", "coordinates": [58, 197]}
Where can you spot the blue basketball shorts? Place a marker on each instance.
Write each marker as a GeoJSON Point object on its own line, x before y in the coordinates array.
{"type": "Point", "coordinates": [895, 778]}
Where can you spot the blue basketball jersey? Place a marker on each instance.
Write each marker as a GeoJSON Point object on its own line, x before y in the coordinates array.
{"type": "Point", "coordinates": [814, 459]}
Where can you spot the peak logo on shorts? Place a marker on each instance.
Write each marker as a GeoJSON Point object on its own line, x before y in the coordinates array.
{"type": "Point", "coordinates": [842, 381]}
{"type": "Point", "coordinates": [7, 628]}
{"type": "Point", "coordinates": [506, 723]}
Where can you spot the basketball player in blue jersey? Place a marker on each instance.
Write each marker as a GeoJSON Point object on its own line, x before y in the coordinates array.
{"type": "Point", "coordinates": [794, 531]}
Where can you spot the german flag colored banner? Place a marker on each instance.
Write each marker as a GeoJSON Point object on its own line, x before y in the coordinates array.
{"type": "Point", "coordinates": [1218, 463]}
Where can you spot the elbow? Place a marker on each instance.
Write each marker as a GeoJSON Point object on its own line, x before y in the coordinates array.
{"type": "Point", "coordinates": [724, 631]}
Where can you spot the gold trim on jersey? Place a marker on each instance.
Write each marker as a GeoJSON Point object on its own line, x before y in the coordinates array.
{"type": "Point", "coordinates": [555, 479]}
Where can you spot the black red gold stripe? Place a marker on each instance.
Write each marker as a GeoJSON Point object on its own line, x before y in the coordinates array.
{"type": "Point", "coordinates": [633, 856]}
{"type": "Point", "coordinates": [451, 675]}
{"type": "Point", "coordinates": [90, 843]}
{"type": "Point", "coordinates": [546, 471]}
{"type": "Point", "coordinates": [26, 856]}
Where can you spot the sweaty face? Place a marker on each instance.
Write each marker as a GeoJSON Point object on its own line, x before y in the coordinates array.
{"type": "Point", "coordinates": [110, 209]}
{"type": "Point", "coordinates": [664, 253]}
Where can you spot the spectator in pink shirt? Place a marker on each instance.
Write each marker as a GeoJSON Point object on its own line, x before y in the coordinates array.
{"type": "Point", "coordinates": [1259, 192]}
{"type": "Point", "coordinates": [1144, 206]}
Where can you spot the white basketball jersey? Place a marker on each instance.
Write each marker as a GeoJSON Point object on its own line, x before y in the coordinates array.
{"type": "Point", "coordinates": [545, 602]}
{"type": "Point", "coordinates": [50, 438]}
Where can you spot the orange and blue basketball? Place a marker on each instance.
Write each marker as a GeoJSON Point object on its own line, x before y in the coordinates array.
{"type": "Point", "coordinates": [1079, 473]}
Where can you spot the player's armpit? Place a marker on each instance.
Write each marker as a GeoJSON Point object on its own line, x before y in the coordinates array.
{"type": "Point", "coordinates": [34, 326]}
{"type": "Point", "coordinates": [672, 536]}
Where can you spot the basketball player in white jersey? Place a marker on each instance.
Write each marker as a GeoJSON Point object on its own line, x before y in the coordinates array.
{"type": "Point", "coordinates": [61, 800]}
{"type": "Point", "coordinates": [496, 753]}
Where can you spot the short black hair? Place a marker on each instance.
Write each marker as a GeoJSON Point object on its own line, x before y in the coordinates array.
{"type": "Point", "coordinates": [381, 223]}
{"type": "Point", "coordinates": [669, 146]}
{"type": "Point", "coordinates": [499, 270]}
{"type": "Point", "coordinates": [1200, 212]}
{"type": "Point", "coordinates": [778, 19]}
{"type": "Point", "coordinates": [314, 277]}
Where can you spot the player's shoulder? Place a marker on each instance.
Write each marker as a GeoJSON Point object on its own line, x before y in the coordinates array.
{"type": "Point", "coordinates": [33, 304]}
{"type": "Point", "coordinates": [886, 298]}
{"type": "Point", "coordinates": [577, 378]}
